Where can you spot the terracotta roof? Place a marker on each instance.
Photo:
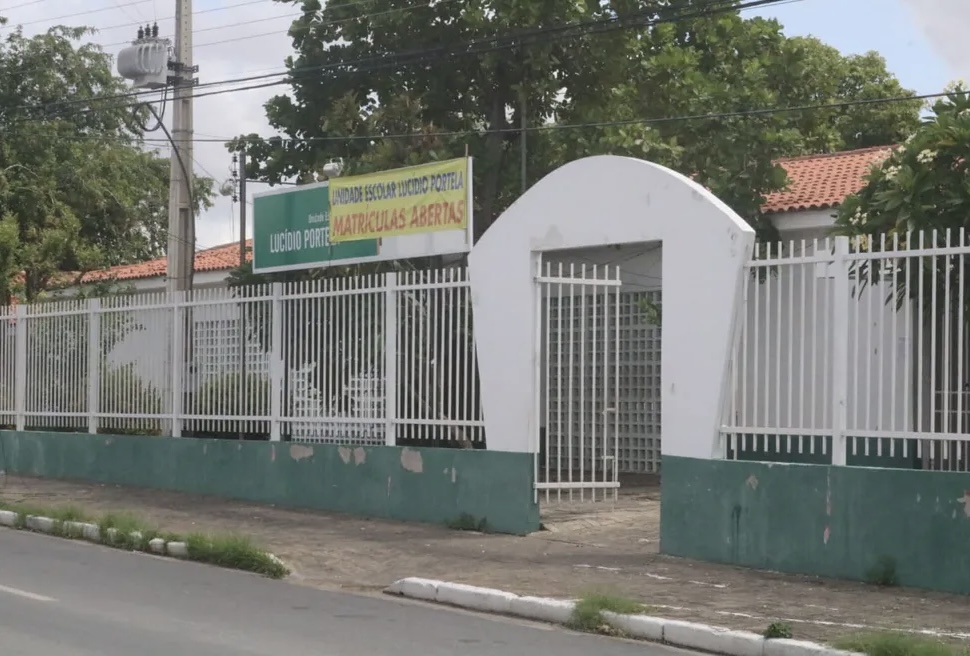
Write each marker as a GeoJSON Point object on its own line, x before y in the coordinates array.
{"type": "Point", "coordinates": [814, 182]}
{"type": "Point", "coordinates": [818, 182]}
{"type": "Point", "coordinates": [218, 258]}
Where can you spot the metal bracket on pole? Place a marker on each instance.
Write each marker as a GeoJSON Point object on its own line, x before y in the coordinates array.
{"type": "Point", "coordinates": [184, 76]}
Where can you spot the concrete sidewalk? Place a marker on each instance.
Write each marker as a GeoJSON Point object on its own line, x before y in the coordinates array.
{"type": "Point", "coordinates": [589, 547]}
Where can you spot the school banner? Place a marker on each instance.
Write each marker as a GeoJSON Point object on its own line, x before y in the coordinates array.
{"type": "Point", "coordinates": [419, 199]}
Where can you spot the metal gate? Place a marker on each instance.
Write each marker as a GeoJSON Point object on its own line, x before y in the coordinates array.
{"type": "Point", "coordinates": [578, 369]}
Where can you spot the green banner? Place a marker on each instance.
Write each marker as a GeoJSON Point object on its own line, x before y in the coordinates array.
{"type": "Point", "coordinates": [291, 230]}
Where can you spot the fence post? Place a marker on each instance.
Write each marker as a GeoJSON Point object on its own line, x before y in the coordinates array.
{"type": "Point", "coordinates": [177, 362]}
{"type": "Point", "coordinates": [94, 363]}
{"type": "Point", "coordinates": [390, 358]}
{"type": "Point", "coordinates": [20, 366]}
{"type": "Point", "coordinates": [840, 349]}
{"type": "Point", "coordinates": [277, 366]}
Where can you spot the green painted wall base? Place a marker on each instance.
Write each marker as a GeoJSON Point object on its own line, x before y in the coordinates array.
{"type": "Point", "coordinates": [820, 519]}
{"type": "Point", "coordinates": [423, 484]}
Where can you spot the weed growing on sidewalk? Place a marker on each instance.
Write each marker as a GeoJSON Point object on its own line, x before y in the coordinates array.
{"type": "Point", "coordinates": [883, 573]}
{"type": "Point", "coordinates": [588, 612]}
{"type": "Point", "coordinates": [466, 522]}
{"type": "Point", "coordinates": [777, 630]}
{"type": "Point", "coordinates": [234, 551]}
{"type": "Point", "coordinates": [126, 531]}
{"type": "Point", "coordinates": [899, 644]}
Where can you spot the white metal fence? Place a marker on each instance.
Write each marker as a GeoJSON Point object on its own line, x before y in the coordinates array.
{"type": "Point", "coordinates": [855, 352]}
{"type": "Point", "coordinates": [578, 366]}
{"type": "Point", "coordinates": [383, 359]}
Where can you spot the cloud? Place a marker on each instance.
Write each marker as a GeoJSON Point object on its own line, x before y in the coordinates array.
{"type": "Point", "coordinates": [946, 24]}
{"type": "Point", "coordinates": [233, 38]}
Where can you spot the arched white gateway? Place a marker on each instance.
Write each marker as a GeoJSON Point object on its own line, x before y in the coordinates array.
{"type": "Point", "coordinates": [602, 201]}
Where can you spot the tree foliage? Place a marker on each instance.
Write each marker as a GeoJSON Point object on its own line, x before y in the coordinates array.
{"type": "Point", "coordinates": [78, 191]}
{"type": "Point", "coordinates": [919, 196]}
{"type": "Point", "coordinates": [922, 185]}
{"type": "Point", "coordinates": [916, 199]}
{"type": "Point", "coordinates": [389, 83]}
{"type": "Point", "coordinates": [627, 84]}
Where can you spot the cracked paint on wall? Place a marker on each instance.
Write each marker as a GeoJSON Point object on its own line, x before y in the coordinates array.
{"type": "Point", "coordinates": [412, 461]}
{"type": "Point", "coordinates": [301, 452]}
{"type": "Point", "coordinates": [965, 500]}
{"type": "Point", "coordinates": [371, 480]}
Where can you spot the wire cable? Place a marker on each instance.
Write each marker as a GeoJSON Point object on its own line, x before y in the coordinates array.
{"type": "Point", "coordinates": [197, 12]}
{"type": "Point", "coordinates": [25, 4]}
{"type": "Point", "coordinates": [260, 35]}
{"type": "Point", "coordinates": [86, 12]}
{"type": "Point", "coordinates": [713, 7]}
{"type": "Point", "coordinates": [492, 43]}
{"type": "Point", "coordinates": [292, 16]}
{"type": "Point", "coordinates": [713, 116]}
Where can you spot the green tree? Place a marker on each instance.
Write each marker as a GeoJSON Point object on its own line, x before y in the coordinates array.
{"type": "Point", "coordinates": [78, 191]}
{"type": "Point", "coordinates": [354, 95]}
{"type": "Point", "coordinates": [719, 66]}
{"type": "Point", "coordinates": [918, 196]}
{"type": "Point", "coordinates": [923, 185]}
{"type": "Point", "coordinates": [700, 61]}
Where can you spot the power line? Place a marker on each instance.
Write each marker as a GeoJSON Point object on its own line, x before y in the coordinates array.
{"type": "Point", "coordinates": [126, 10]}
{"type": "Point", "coordinates": [291, 16]}
{"type": "Point", "coordinates": [119, 5]}
{"type": "Point", "coordinates": [79, 13]}
{"type": "Point", "coordinates": [207, 29]}
{"type": "Point", "coordinates": [260, 35]}
{"type": "Point", "coordinates": [713, 116]}
{"type": "Point", "coordinates": [482, 45]}
{"type": "Point", "coordinates": [25, 4]}
{"type": "Point", "coordinates": [274, 33]}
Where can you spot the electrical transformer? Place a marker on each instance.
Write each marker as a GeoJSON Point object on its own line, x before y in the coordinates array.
{"type": "Point", "coordinates": [145, 63]}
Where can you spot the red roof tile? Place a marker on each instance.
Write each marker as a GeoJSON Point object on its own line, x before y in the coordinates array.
{"type": "Point", "coordinates": [818, 182]}
{"type": "Point", "coordinates": [218, 258]}
{"type": "Point", "coordinates": [814, 182]}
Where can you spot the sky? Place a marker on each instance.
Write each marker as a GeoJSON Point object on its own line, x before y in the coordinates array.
{"type": "Point", "coordinates": [923, 41]}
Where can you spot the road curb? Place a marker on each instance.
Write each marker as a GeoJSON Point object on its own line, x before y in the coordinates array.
{"type": "Point", "coordinates": [691, 635]}
{"type": "Point", "coordinates": [92, 533]}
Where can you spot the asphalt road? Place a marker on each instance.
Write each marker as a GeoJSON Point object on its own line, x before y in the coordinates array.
{"type": "Point", "coordinates": [62, 598]}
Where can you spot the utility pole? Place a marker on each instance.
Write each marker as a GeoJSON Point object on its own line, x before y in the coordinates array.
{"type": "Point", "coordinates": [147, 64]}
{"type": "Point", "coordinates": [181, 212]}
{"type": "Point", "coordinates": [243, 308]}
{"type": "Point", "coordinates": [242, 207]}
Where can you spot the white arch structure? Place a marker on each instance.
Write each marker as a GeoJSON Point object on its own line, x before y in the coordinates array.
{"type": "Point", "coordinates": [601, 201]}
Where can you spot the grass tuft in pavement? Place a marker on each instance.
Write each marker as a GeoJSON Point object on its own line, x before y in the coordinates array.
{"type": "Point", "coordinates": [234, 551]}
{"type": "Point", "coordinates": [127, 531]}
{"type": "Point", "coordinates": [883, 573]}
{"type": "Point", "coordinates": [466, 522]}
{"type": "Point", "coordinates": [588, 612]}
{"type": "Point", "coordinates": [778, 630]}
{"type": "Point", "coordinates": [899, 644]}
